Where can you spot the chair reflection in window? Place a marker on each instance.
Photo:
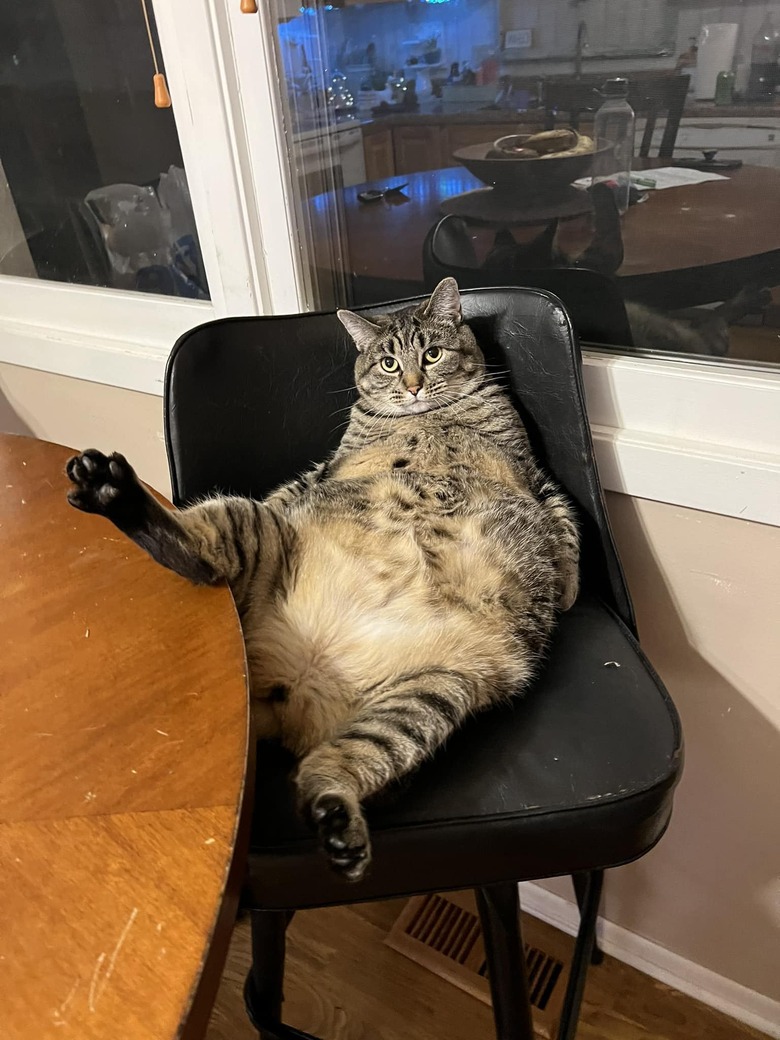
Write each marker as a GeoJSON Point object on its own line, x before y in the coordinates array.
{"type": "Point", "coordinates": [650, 97]}
{"type": "Point", "coordinates": [585, 284]}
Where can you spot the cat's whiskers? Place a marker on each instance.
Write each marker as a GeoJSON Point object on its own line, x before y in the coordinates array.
{"type": "Point", "coordinates": [386, 421]}
{"type": "Point", "coordinates": [340, 411]}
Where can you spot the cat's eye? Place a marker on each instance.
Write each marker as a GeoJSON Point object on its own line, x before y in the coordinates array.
{"type": "Point", "coordinates": [389, 364]}
{"type": "Point", "coordinates": [432, 355]}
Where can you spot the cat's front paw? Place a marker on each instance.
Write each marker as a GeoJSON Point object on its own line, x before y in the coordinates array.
{"type": "Point", "coordinates": [102, 483]}
{"type": "Point", "coordinates": [344, 835]}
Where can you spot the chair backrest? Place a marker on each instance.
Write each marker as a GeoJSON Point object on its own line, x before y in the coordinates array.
{"type": "Point", "coordinates": [649, 96]}
{"type": "Point", "coordinates": [593, 300]}
{"type": "Point", "coordinates": [251, 402]}
{"type": "Point", "coordinates": [91, 242]}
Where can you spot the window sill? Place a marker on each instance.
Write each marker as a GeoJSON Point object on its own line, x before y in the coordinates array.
{"type": "Point", "coordinates": [126, 364]}
{"type": "Point", "coordinates": [714, 478]}
{"type": "Point", "coordinates": [689, 434]}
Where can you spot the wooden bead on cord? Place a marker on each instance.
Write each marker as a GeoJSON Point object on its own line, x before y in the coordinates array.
{"type": "Point", "coordinates": [162, 99]}
{"type": "Point", "coordinates": [248, 7]}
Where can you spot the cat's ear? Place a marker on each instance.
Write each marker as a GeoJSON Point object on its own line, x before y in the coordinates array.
{"type": "Point", "coordinates": [444, 302]}
{"type": "Point", "coordinates": [360, 329]}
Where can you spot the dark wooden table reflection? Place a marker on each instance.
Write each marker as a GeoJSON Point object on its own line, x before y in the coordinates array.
{"type": "Point", "coordinates": [684, 246]}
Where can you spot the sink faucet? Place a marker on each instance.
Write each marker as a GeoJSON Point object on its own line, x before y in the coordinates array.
{"type": "Point", "coordinates": [582, 43]}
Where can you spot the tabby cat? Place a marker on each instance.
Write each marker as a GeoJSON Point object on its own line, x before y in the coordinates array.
{"type": "Point", "coordinates": [411, 579]}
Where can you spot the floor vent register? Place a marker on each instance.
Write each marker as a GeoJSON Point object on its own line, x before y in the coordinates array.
{"type": "Point", "coordinates": [442, 933]}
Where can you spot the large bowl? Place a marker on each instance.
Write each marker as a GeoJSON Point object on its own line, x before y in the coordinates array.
{"type": "Point", "coordinates": [534, 178]}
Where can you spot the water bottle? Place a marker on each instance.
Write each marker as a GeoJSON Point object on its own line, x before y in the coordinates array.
{"type": "Point", "coordinates": [614, 124]}
{"type": "Point", "coordinates": [763, 63]}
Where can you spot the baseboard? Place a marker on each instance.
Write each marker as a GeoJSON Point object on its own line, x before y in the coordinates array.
{"type": "Point", "coordinates": [728, 996]}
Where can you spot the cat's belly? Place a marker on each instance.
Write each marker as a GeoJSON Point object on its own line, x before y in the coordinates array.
{"type": "Point", "coordinates": [366, 608]}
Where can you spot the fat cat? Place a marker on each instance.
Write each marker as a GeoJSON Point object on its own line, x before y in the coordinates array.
{"type": "Point", "coordinates": [408, 581]}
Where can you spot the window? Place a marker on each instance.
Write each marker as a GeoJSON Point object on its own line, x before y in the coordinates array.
{"type": "Point", "coordinates": [92, 183]}
{"type": "Point", "coordinates": [81, 293]}
{"type": "Point", "coordinates": [418, 100]}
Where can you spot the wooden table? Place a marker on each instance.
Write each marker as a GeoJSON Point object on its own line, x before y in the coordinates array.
{"type": "Point", "coordinates": [683, 246]}
{"type": "Point", "coordinates": [123, 769]}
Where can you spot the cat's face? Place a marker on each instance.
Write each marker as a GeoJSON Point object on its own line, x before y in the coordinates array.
{"type": "Point", "coordinates": [417, 359]}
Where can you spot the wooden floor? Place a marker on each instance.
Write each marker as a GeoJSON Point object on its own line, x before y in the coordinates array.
{"type": "Point", "coordinates": [344, 984]}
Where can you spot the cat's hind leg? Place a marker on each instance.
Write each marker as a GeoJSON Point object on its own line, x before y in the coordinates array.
{"type": "Point", "coordinates": [751, 299]}
{"type": "Point", "coordinates": [204, 543]}
{"type": "Point", "coordinates": [567, 548]}
{"type": "Point", "coordinates": [710, 327]}
{"type": "Point", "coordinates": [404, 723]}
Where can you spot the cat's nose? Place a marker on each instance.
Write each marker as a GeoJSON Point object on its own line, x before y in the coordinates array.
{"type": "Point", "coordinates": [414, 390]}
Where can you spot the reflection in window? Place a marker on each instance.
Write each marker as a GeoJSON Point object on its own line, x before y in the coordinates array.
{"type": "Point", "coordinates": [442, 96]}
{"type": "Point", "coordinates": [92, 185]}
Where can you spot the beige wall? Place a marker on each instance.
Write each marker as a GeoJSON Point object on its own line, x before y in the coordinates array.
{"type": "Point", "coordinates": [706, 592]}
{"type": "Point", "coordinates": [86, 415]}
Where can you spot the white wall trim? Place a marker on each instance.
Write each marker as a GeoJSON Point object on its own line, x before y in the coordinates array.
{"type": "Point", "coordinates": [696, 981]}
{"type": "Point", "coordinates": [710, 477]}
{"type": "Point", "coordinates": [131, 365]}
{"type": "Point", "coordinates": [59, 307]}
{"type": "Point", "coordinates": [699, 400]}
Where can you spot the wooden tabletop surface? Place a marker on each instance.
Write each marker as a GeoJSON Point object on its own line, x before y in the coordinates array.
{"type": "Point", "coordinates": [123, 763]}
{"type": "Point", "coordinates": [688, 229]}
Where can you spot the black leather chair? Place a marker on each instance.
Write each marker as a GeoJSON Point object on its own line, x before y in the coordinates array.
{"type": "Point", "coordinates": [593, 300]}
{"type": "Point", "coordinates": [576, 776]}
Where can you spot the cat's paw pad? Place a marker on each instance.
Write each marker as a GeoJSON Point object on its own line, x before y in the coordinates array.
{"type": "Point", "coordinates": [344, 835]}
{"type": "Point", "coordinates": [100, 480]}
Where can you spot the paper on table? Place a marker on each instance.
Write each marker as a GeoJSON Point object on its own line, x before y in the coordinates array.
{"type": "Point", "coordinates": [675, 177]}
{"type": "Point", "coordinates": [665, 177]}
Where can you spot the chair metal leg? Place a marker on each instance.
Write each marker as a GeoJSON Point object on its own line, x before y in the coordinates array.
{"type": "Point", "coordinates": [583, 951]}
{"type": "Point", "coordinates": [263, 990]}
{"type": "Point", "coordinates": [499, 912]}
{"type": "Point", "coordinates": [580, 882]}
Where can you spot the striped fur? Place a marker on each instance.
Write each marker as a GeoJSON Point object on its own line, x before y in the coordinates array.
{"type": "Point", "coordinates": [405, 583]}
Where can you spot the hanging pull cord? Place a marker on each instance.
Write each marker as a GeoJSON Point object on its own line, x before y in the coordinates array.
{"type": "Point", "coordinates": [162, 99]}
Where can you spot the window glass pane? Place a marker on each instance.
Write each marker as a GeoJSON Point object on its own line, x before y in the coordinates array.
{"type": "Point", "coordinates": [92, 185]}
{"type": "Point", "coordinates": [681, 255]}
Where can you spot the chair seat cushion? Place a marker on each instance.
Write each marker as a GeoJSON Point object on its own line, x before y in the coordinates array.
{"type": "Point", "coordinates": [577, 774]}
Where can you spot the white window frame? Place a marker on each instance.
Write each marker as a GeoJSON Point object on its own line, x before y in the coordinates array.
{"type": "Point", "coordinates": [693, 433]}
{"type": "Point", "coordinates": [123, 338]}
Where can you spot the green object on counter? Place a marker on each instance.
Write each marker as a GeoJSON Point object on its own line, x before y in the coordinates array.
{"type": "Point", "coordinates": [724, 88]}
